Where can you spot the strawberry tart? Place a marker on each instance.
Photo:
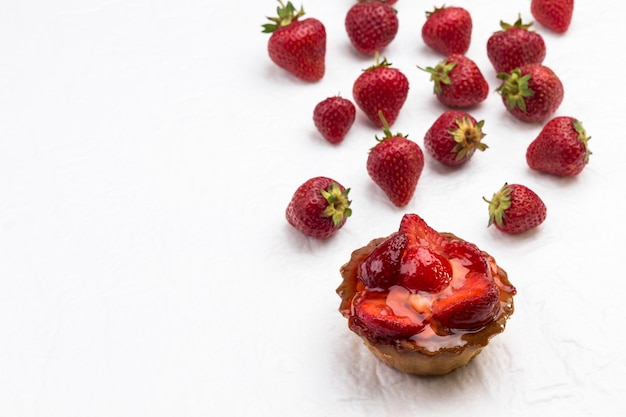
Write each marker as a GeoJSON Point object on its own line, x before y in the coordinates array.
{"type": "Point", "coordinates": [424, 302]}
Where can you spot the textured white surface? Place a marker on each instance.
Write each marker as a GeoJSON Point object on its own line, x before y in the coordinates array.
{"type": "Point", "coordinates": [148, 150]}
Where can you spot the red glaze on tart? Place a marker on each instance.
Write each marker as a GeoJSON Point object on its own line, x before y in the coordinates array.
{"type": "Point", "coordinates": [424, 302]}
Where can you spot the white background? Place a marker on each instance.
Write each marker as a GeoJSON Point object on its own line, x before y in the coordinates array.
{"type": "Point", "coordinates": [148, 150]}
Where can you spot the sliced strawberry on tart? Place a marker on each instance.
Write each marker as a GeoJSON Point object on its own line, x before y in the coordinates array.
{"type": "Point", "coordinates": [424, 302]}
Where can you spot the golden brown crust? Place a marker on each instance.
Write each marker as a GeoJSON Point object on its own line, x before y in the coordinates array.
{"type": "Point", "coordinates": [407, 355]}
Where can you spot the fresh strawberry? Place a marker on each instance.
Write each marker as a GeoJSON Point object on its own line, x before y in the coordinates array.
{"type": "Point", "coordinates": [448, 30]}
{"type": "Point", "coordinates": [319, 207]}
{"type": "Point", "coordinates": [516, 208]}
{"type": "Point", "coordinates": [333, 118]}
{"type": "Point", "coordinates": [298, 46]}
{"type": "Point", "coordinates": [470, 306]}
{"type": "Point", "coordinates": [555, 15]}
{"type": "Point", "coordinates": [380, 269]}
{"type": "Point", "coordinates": [531, 93]}
{"type": "Point", "coordinates": [515, 46]}
{"type": "Point", "coordinates": [458, 82]}
{"type": "Point", "coordinates": [453, 138]}
{"type": "Point", "coordinates": [467, 255]}
{"type": "Point", "coordinates": [395, 165]}
{"type": "Point", "coordinates": [381, 88]}
{"type": "Point", "coordinates": [371, 25]}
{"type": "Point", "coordinates": [375, 319]}
{"type": "Point", "coordinates": [561, 148]}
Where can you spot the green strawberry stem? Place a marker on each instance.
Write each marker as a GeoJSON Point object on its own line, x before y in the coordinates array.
{"type": "Point", "coordinates": [515, 89]}
{"type": "Point", "coordinates": [286, 15]}
{"type": "Point", "coordinates": [338, 204]}
{"type": "Point", "coordinates": [386, 128]}
{"type": "Point", "coordinates": [468, 137]}
{"type": "Point", "coordinates": [439, 74]}
{"type": "Point", "coordinates": [583, 138]}
{"type": "Point", "coordinates": [498, 205]}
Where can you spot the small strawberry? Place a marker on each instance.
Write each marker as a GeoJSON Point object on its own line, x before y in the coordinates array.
{"type": "Point", "coordinates": [319, 207]}
{"type": "Point", "coordinates": [516, 209]}
{"type": "Point", "coordinates": [448, 30]}
{"type": "Point", "coordinates": [374, 318]}
{"type": "Point", "coordinates": [371, 25]}
{"type": "Point", "coordinates": [531, 93]}
{"type": "Point", "coordinates": [454, 137]}
{"type": "Point", "coordinates": [561, 148]}
{"type": "Point", "coordinates": [458, 82]}
{"type": "Point", "coordinates": [380, 269]}
{"type": "Point", "coordinates": [298, 46]}
{"type": "Point", "coordinates": [381, 88]}
{"type": "Point", "coordinates": [556, 15]}
{"type": "Point", "coordinates": [470, 306]}
{"type": "Point", "coordinates": [515, 46]}
{"type": "Point", "coordinates": [395, 165]}
{"type": "Point", "coordinates": [333, 118]}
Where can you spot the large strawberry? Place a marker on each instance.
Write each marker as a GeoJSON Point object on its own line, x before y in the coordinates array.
{"type": "Point", "coordinates": [297, 45]}
{"type": "Point", "coordinates": [516, 208]}
{"type": "Point", "coordinates": [371, 25]}
{"type": "Point", "coordinates": [531, 93]}
{"type": "Point", "coordinates": [515, 46]}
{"type": "Point", "coordinates": [381, 88]}
{"type": "Point", "coordinates": [448, 30]}
{"type": "Point", "coordinates": [470, 306]}
{"type": "Point", "coordinates": [333, 117]}
{"type": "Point", "coordinates": [555, 15]}
{"type": "Point", "coordinates": [561, 148]}
{"type": "Point", "coordinates": [319, 207]}
{"type": "Point", "coordinates": [395, 165]}
{"type": "Point", "coordinates": [454, 137]}
{"type": "Point", "coordinates": [458, 82]}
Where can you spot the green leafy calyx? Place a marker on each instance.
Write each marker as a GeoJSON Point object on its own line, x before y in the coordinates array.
{"type": "Point", "coordinates": [468, 137]}
{"type": "Point", "coordinates": [582, 137]}
{"type": "Point", "coordinates": [518, 24]}
{"type": "Point", "coordinates": [338, 204]}
{"type": "Point", "coordinates": [286, 15]}
{"type": "Point", "coordinates": [514, 89]}
{"type": "Point", "coordinates": [499, 203]}
{"type": "Point", "coordinates": [440, 74]}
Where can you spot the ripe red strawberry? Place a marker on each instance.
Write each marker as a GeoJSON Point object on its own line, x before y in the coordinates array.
{"type": "Point", "coordinates": [319, 207]}
{"type": "Point", "coordinates": [471, 306]}
{"type": "Point", "coordinates": [298, 46]}
{"type": "Point", "coordinates": [515, 209]}
{"type": "Point", "coordinates": [381, 88]}
{"type": "Point", "coordinates": [561, 148]}
{"type": "Point", "coordinates": [395, 165]}
{"type": "Point", "coordinates": [531, 93]}
{"type": "Point", "coordinates": [333, 118]}
{"type": "Point", "coordinates": [458, 82]}
{"type": "Point", "coordinates": [454, 137]}
{"type": "Point", "coordinates": [371, 25]}
{"type": "Point", "coordinates": [448, 30]}
{"type": "Point", "coordinates": [374, 318]}
{"type": "Point", "coordinates": [380, 269]}
{"type": "Point", "coordinates": [555, 15]}
{"type": "Point", "coordinates": [515, 46]}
